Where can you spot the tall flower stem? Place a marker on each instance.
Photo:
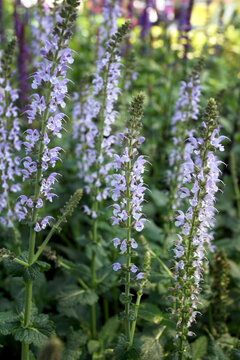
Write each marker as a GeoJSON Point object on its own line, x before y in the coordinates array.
{"type": "Point", "coordinates": [200, 169]}
{"type": "Point", "coordinates": [128, 254]}
{"type": "Point", "coordinates": [32, 235]}
{"type": "Point", "coordinates": [128, 189]}
{"type": "Point", "coordinates": [189, 253]}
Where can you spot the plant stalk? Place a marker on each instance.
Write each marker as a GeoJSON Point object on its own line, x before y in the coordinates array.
{"type": "Point", "coordinates": [133, 328]}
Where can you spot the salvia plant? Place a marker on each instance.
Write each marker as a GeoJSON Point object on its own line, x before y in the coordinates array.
{"type": "Point", "coordinates": [142, 268]}
{"type": "Point", "coordinates": [201, 172]}
{"type": "Point", "coordinates": [128, 192]}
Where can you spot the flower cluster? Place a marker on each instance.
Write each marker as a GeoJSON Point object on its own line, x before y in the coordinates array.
{"type": "Point", "coordinates": [10, 143]}
{"type": "Point", "coordinates": [95, 148]}
{"type": "Point", "coordinates": [40, 155]}
{"type": "Point", "coordinates": [127, 184]}
{"type": "Point", "coordinates": [111, 11]}
{"type": "Point", "coordinates": [186, 109]}
{"type": "Point", "coordinates": [200, 179]}
{"type": "Point", "coordinates": [42, 27]}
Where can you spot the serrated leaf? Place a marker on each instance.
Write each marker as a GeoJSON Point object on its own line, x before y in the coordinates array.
{"type": "Point", "coordinates": [37, 333]}
{"type": "Point", "coordinates": [78, 296]}
{"type": "Point", "coordinates": [121, 351]}
{"type": "Point", "coordinates": [31, 273]}
{"type": "Point", "coordinates": [8, 322]}
{"type": "Point", "coordinates": [75, 341]}
{"type": "Point", "coordinates": [199, 347]}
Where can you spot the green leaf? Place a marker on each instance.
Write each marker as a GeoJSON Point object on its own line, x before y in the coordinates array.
{"type": "Point", "coordinates": [215, 352]}
{"type": "Point", "coordinates": [160, 198]}
{"type": "Point", "coordinates": [153, 232]}
{"type": "Point", "coordinates": [151, 313]}
{"type": "Point", "coordinates": [235, 354]}
{"type": "Point", "coordinates": [29, 273]}
{"type": "Point", "coordinates": [78, 296]}
{"type": "Point", "coordinates": [8, 322]}
{"type": "Point", "coordinates": [199, 347]}
{"type": "Point", "coordinates": [235, 272]}
{"type": "Point", "coordinates": [109, 330]}
{"type": "Point", "coordinates": [122, 353]}
{"type": "Point", "coordinates": [93, 346]}
{"type": "Point", "coordinates": [75, 340]}
{"type": "Point", "coordinates": [37, 333]}
{"type": "Point", "coordinates": [150, 349]}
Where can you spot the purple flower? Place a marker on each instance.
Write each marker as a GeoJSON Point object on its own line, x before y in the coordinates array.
{"type": "Point", "coordinates": [127, 183]}
{"type": "Point", "coordinates": [116, 242]}
{"type": "Point", "coordinates": [140, 276]}
{"type": "Point", "coordinates": [94, 150]}
{"type": "Point", "coordinates": [10, 144]}
{"type": "Point", "coordinates": [50, 73]}
{"type": "Point", "coordinates": [186, 109]}
{"type": "Point", "coordinates": [123, 246]}
{"type": "Point", "coordinates": [196, 222]}
{"type": "Point", "coordinates": [116, 266]}
{"type": "Point", "coordinates": [133, 268]}
{"type": "Point", "coordinates": [110, 13]}
{"type": "Point", "coordinates": [134, 244]}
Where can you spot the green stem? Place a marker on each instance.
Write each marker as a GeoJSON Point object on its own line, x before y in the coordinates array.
{"type": "Point", "coordinates": [106, 309]}
{"type": "Point", "coordinates": [21, 262]}
{"type": "Point", "coordinates": [45, 242]}
{"type": "Point", "coordinates": [133, 328]}
{"type": "Point", "coordinates": [128, 255]}
{"type": "Point", "coordinates": [93, 307]}
{"type": "Point", "coordinates": [210, 318]}
{"type": "Point", "coordinates": [25, 351]}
